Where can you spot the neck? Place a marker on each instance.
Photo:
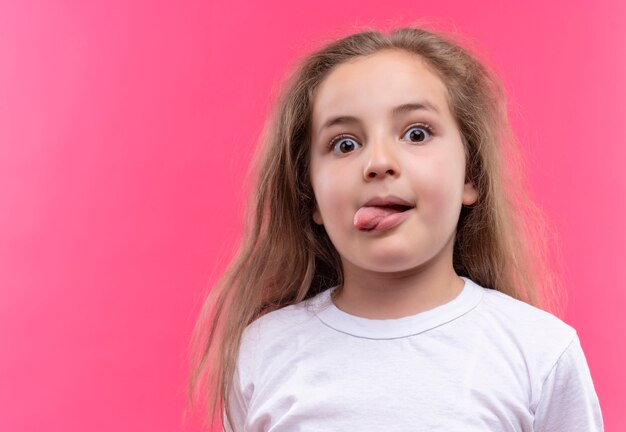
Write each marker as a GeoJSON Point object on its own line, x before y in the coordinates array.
{"type": "Point", "coordinates": [390, 295]}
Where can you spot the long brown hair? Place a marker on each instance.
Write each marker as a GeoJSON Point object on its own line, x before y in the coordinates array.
{"type": "Point", "coordinates": [502, 242]}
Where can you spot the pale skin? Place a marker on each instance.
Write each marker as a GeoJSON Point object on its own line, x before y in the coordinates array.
{"type": "Point", "coordinates": [408, 268]}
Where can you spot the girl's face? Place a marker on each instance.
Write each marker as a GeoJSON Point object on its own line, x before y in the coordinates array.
{"type": "Point", "coordinates": [414, 153]}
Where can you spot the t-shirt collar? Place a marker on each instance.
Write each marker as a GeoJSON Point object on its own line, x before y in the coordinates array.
{"type": "Point", "coordinates": [344, 322]}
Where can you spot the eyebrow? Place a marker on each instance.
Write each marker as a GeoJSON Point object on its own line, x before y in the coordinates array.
{"type": "Point", "coordinates": [400, 109]}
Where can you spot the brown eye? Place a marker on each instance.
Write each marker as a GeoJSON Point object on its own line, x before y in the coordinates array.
{"type": "Point", "coordinates": [419, 134]}
{"type": "Point", "coordinates": [343, 144]}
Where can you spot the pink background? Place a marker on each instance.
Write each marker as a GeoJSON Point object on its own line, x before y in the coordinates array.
{"type": "Point", "coordinates": [126, 129]}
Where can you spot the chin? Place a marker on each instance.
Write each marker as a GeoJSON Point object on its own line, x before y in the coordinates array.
{"type": "Point", "coordinates": [387, 263]}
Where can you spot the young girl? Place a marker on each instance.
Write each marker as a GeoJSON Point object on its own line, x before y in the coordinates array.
{"type": "Point", "coordinates": [388, 281]}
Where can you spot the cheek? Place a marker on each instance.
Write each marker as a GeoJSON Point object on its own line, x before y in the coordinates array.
{"type": "Point", "coordinates": [439, 190]}
{"type": "Point", "coordinates": [332, 194]}
{"type": "Point", "coordinates": [333, 191]}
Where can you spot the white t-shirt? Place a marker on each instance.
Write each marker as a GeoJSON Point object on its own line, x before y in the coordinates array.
{"type": "Point", "coordinates": [481, 362]}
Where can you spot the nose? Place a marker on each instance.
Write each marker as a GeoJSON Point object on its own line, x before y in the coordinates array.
{"type": "Point", "coordinates": [381, 160]}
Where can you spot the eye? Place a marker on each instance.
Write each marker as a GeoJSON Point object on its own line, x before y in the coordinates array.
{"type": "Point", "coordinates": [342, 144]}
{"type": "Point", "coordinates": [419, 133]}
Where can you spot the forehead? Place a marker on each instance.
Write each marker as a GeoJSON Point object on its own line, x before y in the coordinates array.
{"type": "Point", "coordinates": [373, 85]}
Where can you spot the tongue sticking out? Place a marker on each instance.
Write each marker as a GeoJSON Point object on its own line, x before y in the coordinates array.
{"type": "Point", "coordinates": [367, 218]}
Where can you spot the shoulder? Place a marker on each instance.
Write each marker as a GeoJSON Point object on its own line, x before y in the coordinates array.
{"type": "Point", "coordinates": [528, 321]}
{"type": "Point", "coordinates": [279, 323]}
{"type": "Point", "coordinates": [534, 336]}
{"type": "Point", "coordinates": [277, 332]}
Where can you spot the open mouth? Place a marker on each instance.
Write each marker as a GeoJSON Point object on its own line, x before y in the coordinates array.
{"type": "Point", "coordinates": [369, 217]}
{"type": "Point", "coordinates": [396, 207]}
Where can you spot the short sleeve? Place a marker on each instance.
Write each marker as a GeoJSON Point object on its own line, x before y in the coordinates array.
{"type": "Point", "coordinates": [242, 385]}
{"type": "Point", "coordinates": [238, 407]}
{"type": "Point", "coordinates": [568, 401]}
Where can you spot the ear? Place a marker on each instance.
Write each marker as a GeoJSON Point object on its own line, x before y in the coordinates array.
{"type": "Point", "coordinates": [317, 217]}
{"type": "Point", "coordinates": [470, 194]}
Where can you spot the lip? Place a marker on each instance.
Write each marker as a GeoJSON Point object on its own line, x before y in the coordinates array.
{"type": "Point", "coordinates": [388, 200]}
